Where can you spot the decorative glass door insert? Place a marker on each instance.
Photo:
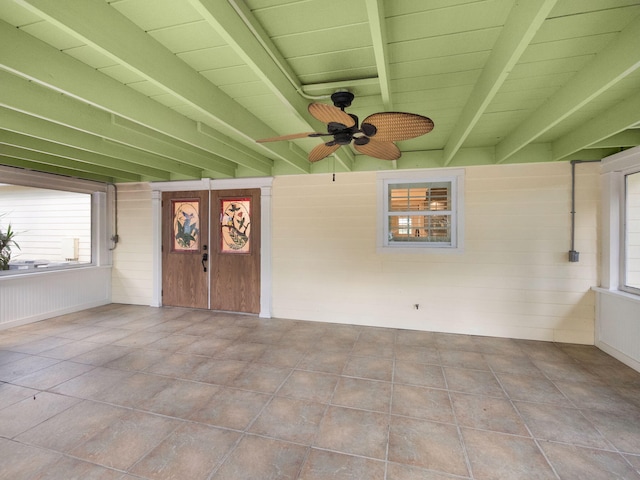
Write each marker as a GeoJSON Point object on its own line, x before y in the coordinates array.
{"type": "Point", "coordinates": [235, 225]}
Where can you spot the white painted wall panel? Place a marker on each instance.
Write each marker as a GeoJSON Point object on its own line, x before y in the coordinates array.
{"type": "Point", "coordinates": [31, 297]}
{"type": "Point", "coordinates": [513, 279]}
{"type": "Point", "coordinates": [618, 326]}
{"type": "Point", "coordinates": [133, 256]}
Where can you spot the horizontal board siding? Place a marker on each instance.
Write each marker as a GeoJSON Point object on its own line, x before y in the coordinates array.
{"type": "Point", "coordinates": [43, 218]}
{"type": "Point", "coordinates": [513, 278]}
{"type": "Point", "coordinates": [132, 280]}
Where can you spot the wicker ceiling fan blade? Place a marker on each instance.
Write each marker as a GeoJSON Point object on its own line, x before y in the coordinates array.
{"type": "Point", "coordinates": [378, 149]}
{"type": "Point", "coordinates": [329, 113]}
{"type": "Point", "coordinates": [394, 126]}
{"type": "Point", "coordinates": [291, 136]}
{"type": "Point", "coordinates": [323, 150]}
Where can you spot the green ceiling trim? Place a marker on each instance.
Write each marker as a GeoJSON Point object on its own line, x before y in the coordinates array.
{"type": "Point", "coordinates": [19, 95]}
{"type": "Point", "coordinates": [618, 118]}
{"type": "Point", "coordinates": [67, 172]}
{"type": "Point", "coordinates": [104, 28]}
{"type": "Point", "coordinates": [619, 59]}
{"type": "Point", "coordinates": [48, 66]}
{"type": "Point", "coordinates": [81, 158]}
{"type": "Point", "coordinates": [47, 159]}
{"type": "Point", "coordinates": [522, 24]}
{"type": "Point", "coordinates": [378, 27]}
{"type": "Point", "coordinates": [118, 156]}
{"type": "Point", "coordinates": [235, 23]}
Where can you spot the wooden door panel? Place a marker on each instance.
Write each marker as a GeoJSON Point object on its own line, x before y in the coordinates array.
{"type": "Point", "coordinates": [235, 261]}
{"type": "Point", "coordinates": [185, 232]}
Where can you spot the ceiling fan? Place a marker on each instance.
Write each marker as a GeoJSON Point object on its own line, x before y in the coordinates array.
{"type": "Point", "coordinates": [373, 137]}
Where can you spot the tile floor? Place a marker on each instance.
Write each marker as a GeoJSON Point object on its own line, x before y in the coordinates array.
{"type": "Point", "coordinates": [124, 392]}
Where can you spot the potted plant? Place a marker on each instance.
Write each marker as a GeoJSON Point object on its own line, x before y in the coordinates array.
{"type": "Point", "coordinates": [6, 244]}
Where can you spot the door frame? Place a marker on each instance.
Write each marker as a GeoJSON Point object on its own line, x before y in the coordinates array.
{"type": "Point", "coordinates": [263, 183]}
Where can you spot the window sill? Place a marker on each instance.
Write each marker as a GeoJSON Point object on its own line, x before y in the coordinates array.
{"type": "Point", "coordinates": [6, 275]}
{"type": "Point", "coordinates": [617, 293]}
{"type": "Point", "coordinates": [419, 249]}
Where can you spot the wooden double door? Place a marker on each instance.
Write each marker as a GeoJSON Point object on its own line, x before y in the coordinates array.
{"type": "Point", "coordinates": [211, 250]}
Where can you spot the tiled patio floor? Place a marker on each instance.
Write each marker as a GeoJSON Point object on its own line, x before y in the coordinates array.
{"type": "Point", "coordinates": [123, 392]}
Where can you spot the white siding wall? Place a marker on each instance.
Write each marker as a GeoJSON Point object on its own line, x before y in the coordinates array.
{"type": "Point", "coordinates": [513, 279]}
{"type": "Point", "coordinates": [133, 257]}
{"type": "Point", "coordinates": [42, 218]}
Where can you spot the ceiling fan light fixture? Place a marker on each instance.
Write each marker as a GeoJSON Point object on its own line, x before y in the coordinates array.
{"type": "Point", "coordinates": [375, 137]}
{"type": "Point", "coordinates": [368, 129]}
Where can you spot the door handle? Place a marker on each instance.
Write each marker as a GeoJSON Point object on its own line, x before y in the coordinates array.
{"type": "Point", "coordinates": [205, 258]}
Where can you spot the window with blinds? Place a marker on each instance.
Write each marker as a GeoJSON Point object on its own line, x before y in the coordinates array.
{"type": "Point", "coordinates": [420, 210]}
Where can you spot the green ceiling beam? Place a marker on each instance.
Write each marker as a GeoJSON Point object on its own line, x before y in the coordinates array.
{"type": "Point", "coordinates": [17, 94]}
{"type": "Point", "coordinates": [378, 29]}
{"type": "Point", "coordinates": [101, 26]}
{"type": "Point", "coordinates": [619, 59]}
{"type": "Point", "coordinates": [38, 61]}
{"type": "Point", "coordinates": [67, 172]}
{"type": "Point", "coordinates": [183, 152]}
{"type": "Point", "coordinates": [47, 159]}
{"type": "Point", "coordinates": [235, 23]}
{"type": "Point", "coordinates": [624, 139]}
{"type": "Point", "coordinates": [522, 24]}
{"type": "Point", "coordinates": [30, 96]}
{"type": "Point", "coordinates": [39, 128]}
{"type": "Point", "coordinates": [57, 150]}
{"type": "Point", "coordinates": [606, 125]}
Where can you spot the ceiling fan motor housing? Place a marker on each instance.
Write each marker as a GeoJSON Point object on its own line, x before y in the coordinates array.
{"type": "Point", "coordinates": [342, 100]}
{"type": "Point", "coordinates": [343, 138]}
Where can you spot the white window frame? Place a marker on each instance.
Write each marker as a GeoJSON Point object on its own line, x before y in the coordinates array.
{"type": "Point", "coordinates": [624, 235]}
{"type": "Point", "coordinates": [386, 178]}
{"type": "Point", "coordinates": [613, 235]}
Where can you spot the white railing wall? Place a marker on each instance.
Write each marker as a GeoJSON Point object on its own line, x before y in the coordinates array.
{"type": "Point", "coordinates": [32, 297]}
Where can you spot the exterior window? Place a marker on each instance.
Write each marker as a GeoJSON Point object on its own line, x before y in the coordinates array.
{"type": "Point", "coordinates": [51, 228]}
{"type": "Point", "coordinates": [631, 247]}
{"type": "Point", "coordinates": [420, 212]}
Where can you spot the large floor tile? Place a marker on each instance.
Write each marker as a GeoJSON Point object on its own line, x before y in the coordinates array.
{"type": "Point", "coordinates": [559, 424]}
{"type": "Point", "coordinates": [25, 414]}
{"type": "Point", "coordinates": [426, 444]}
{"type": "Point", "coordinates": [487, 413]}
{"type": "Point", "coordinates": [420, 402]}
{"type": "Point", "coordinates": [496, 456]}
{"type": "Point", "coordinates": [231, 408]}
{"type": "Point", "coordinates": [262, 458]}
{"type": "Point", "coordinates": [314, 386]}
{"type": "Point", "coordinates": [290, 419]}
{"type": "Point", "coordinates": [191, 452]}
{"type": "Point", "coordinates": [323, 465]}
{"type": "Point", "coordinates": [24, 461]}
{"type": "Point", "coordinates": [363, 394]}
{"type": "Point", "coordinates": [355, 432]}
{"type": "Point", "coordinates": [125, 440]}
{"type": "Point", "coordinates": [578, 462]}
{"type": "Point", "coordinates": [73, 426]}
